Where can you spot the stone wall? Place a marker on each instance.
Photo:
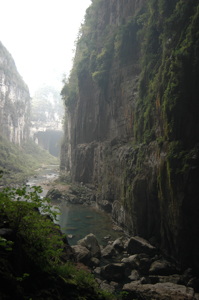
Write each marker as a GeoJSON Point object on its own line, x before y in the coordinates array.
{"type": "Point", "coordinates": [129, 122]}
{"type": "Point", "coordinates": [14, 101]}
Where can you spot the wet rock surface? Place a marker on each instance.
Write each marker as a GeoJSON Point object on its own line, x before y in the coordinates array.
{"type": "Point", "coordinates": [145, 274]}
{"type": "Point", "coordinates": [74, 194]}
{"type": "Point", "coordinates": [165, 290]}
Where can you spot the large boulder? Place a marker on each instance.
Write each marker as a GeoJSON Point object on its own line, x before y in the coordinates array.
{"type": "Point", "coordinates": [132, 261]}
{"type": "Point", "coordinates": [108, 252]}
{"type": "Point", "coordinates": [162, 267]}
{"type": "Point", "coordinates": [82, 254]}
{"type": "Point", "coordinates": [136, 245]}
{"type": "Point", "coordinates": [119, 244]}
{"type": "Point", "coordinates": [160, 291]}
{"type": "Point", "coordinates": [140, 262]}
{"type": "Point", "coordinates": [91, 243]}
{"type": "Point", "coordinates": [134, 276]}
{"type": "Point", "coordinates": [106, 286]}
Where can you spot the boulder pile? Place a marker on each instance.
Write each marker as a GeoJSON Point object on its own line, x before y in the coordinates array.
{"type": "Point", "coordinates": [137, 268]}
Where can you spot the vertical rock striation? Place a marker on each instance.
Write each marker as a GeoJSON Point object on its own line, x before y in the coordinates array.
{"type": "Point", "coordinates": [14, 101]}
{"type": "Point", "coordinates": [132, 126]}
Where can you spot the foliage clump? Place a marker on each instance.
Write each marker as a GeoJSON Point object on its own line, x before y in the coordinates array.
{"type": "Point", "coordinates": [34, 259]}
{"type": "Point", "coordinates": [169, 78]}
{"type": "Point", "coordinates": [21, 209]}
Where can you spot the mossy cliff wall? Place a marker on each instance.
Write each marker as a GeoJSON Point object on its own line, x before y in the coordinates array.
{"type": "Point", "coordinates": [132, 107]}
{"type": "Point", "coordinates": [14, 100]}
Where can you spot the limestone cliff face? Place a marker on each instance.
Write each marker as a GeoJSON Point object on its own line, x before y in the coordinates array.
{"type": "Point", "coordinates": [132, 128]}
{"type": "Point", "coordinates": [14, 100]}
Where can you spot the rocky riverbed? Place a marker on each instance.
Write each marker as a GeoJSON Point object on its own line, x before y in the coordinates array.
{"type": "Point", "coordinates": [128, 264]}
{"type": "Point", "coordinates": [138, 269]}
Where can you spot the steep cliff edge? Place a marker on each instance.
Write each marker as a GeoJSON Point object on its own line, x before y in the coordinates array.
{"type": "Point", "coordinates": [19, 156]}
{"type": "Point", "coordinates": [14, 101]}
{"type": "Point", "coordinates": [132, 118]}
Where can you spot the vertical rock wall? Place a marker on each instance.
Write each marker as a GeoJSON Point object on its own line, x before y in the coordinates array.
{"type": "Point", "coordinates": [133, 132]}
{"type": "Point", "coordinates": [14, 101]}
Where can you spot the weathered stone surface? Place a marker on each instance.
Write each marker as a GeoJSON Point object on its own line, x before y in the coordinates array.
{"type": "Point", "coordinates": [94, 262]}
{"type": "Point", "coordinates": [91, 243]}
{"type": "Point", "coordinates": [175, 278]}
{"type": "Point", "coordinates": [106, 287]}
{"type": "Point", "coordinates": [161, 267]}
{"type": "Point", "coordinates": [14, 101]}
{"type": "Point", "coordinates": [160, 291]}
{"type": "Point", "coordinates": [97, 271]}
{"type": "Point", "coordinates": [109, 251]}
{"type": "Point", "coordinates": [82, 254]}
{"type": "Point", "coordinates": [138, 261]}
{"type": "Point", "coordinates": [139, 245]}
{"type": "Point", "coordinates": [134, 275]}
{"type": "Point", "coordinates": [105, 205]}
{"type": "Point", "coordinates": [119, 244]}
{"type": "Point", "coordinates": [133, 261]}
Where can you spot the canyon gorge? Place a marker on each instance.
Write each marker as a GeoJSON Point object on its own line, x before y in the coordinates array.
{"type": "Point", "coordinates": [130, 147]}
{"type": "Point", "coordinates": [25, 122]}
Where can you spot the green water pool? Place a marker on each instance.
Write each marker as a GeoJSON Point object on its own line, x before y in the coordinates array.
{"type": "Point", "coordinates": [76, 221]}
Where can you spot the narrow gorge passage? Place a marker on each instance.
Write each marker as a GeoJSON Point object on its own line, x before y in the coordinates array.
{"type": "Point", "coordinates": [115, 143]}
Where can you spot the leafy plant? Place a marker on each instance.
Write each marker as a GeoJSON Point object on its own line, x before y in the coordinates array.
{"type": "Point", "coordinates": [81, 279]}
{"type": "Point", "coordinates": [42, 243]}
{"type": "Point", "coordinates": [6, 244]}
{"type": "Point", "coordinates": [32, 217]}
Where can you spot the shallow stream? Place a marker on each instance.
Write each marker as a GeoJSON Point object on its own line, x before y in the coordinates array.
{"type": "Point", "coordinates": [76, 221]}
{"type": "Point", "coordinates": [44, 177]}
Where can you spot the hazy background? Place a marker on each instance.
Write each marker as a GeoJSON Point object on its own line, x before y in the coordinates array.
{"type": "Point", "coordinates": [40, 35]}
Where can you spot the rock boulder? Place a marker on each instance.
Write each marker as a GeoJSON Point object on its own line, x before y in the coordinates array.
{"type": "Point", "coordinates": [91, 243]}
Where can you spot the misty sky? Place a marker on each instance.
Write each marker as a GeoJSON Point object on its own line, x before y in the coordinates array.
{"type": "Point", "coordinates": [40, 35]}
